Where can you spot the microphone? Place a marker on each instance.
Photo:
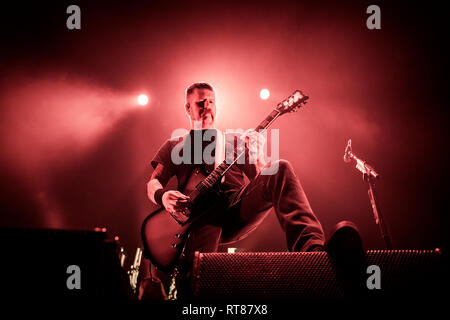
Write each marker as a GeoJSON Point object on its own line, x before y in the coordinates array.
{"type": "Point", "coordinates": [348, 152]}
{"type": "Point", "coordinates": [361, 165]}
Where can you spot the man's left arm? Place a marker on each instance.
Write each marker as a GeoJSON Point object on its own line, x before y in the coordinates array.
{"type": "Point", "coordinates": [254, 153]}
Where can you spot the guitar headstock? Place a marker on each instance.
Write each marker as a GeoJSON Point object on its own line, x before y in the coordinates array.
{"type": "Point", "coordinates": [292, 103]}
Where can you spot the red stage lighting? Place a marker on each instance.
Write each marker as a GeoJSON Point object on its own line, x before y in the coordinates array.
{"type": "Point", "coordinates": [264, 94]}
{"type": "Point", "coordinates": [142, 99]}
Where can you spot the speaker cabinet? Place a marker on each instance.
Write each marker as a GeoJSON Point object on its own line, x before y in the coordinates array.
{"type": "Point", "coordinates": [311, 275]}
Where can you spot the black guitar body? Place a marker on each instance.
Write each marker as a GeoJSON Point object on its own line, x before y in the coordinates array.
{"type": "Point", "coordinates": [164, 239]}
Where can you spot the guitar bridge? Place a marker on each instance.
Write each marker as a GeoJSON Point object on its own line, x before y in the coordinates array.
{"type": "Point", "coordinates": [180, 218]}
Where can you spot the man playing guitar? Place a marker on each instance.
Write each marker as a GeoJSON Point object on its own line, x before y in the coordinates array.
{"type": "Point", "coordinates": [248, 190]}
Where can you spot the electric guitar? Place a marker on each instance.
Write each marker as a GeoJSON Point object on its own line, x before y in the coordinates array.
{"type": "Point", "coordinates": [164, 235]}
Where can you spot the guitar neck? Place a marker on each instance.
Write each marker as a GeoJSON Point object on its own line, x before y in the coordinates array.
{"type": "Point", "coordinates": [217, 174]}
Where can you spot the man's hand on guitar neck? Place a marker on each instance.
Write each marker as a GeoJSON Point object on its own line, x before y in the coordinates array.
{"type": "Point", "coordinates": [254, 143]}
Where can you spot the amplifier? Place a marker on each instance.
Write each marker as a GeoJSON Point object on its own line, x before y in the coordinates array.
{"type": "Point", "coordinates": [312, 275]}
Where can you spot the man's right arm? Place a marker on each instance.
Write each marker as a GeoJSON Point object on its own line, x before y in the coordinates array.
{"type": "Point", "coordinates": [158, 180]}
{"type": "Point", "coordinates": [172, 200]}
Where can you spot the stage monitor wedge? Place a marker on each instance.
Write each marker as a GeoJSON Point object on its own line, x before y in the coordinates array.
{"type": "Point", "coordinates": [312, 275]}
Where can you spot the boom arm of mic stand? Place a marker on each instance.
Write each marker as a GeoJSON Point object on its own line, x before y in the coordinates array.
{"type": "Point", "coordinates": [367, 170]}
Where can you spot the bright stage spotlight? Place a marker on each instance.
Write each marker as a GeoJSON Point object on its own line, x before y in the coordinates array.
{"type": "Point", "coordinates": [142, 99]}
{"type": "Point", "coordinates": [264, 94]}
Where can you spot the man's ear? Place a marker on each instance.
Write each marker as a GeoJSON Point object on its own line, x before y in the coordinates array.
{"type": "Point", "coordinates": [188, 107]}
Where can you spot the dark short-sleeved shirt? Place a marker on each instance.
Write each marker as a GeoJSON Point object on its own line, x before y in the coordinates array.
{"type": "Point", "coordinates": [235, 178]}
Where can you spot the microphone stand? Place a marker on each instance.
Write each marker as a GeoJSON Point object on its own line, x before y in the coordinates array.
{"type": "Point", "coordinates": [370, 176]}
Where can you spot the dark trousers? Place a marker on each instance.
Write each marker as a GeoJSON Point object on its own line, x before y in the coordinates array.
{"type": "Point", "coordinates": [249, 206]}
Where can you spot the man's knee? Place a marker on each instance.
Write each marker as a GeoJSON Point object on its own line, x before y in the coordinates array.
{"type": "Point", "coordinates": [284, 165]}
{"type": "Point", "coordinates": [277, 167]}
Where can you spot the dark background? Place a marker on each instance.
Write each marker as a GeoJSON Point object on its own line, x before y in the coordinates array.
{"type": "Point", "coordinates": [75, 147]}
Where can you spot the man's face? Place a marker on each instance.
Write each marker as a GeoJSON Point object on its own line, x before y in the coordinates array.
{"type": "Point", "coordinates": [201, 106]}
